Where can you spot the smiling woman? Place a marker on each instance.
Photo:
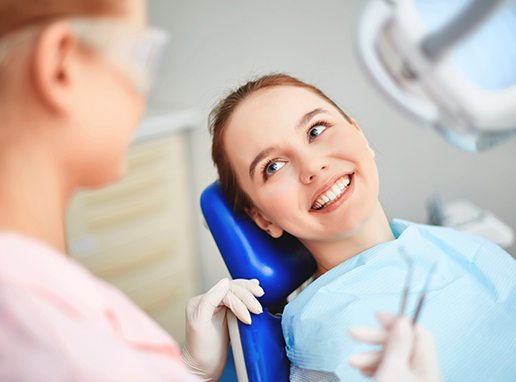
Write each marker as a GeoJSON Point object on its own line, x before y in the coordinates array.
{"type": "Point", "coordinates": [313, 158]}
{"type": "Point", "coordinates": [291, 159]}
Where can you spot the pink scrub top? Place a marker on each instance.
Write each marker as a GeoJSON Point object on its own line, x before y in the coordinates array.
{"type": "Point", "coordinates": [59, 323]}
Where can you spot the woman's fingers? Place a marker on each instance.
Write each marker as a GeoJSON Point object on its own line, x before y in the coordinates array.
{"type": "Point", "coordinates": [399, 346]}
{"type": "Point", "coordinates": [238, 308]}
{"type": "Point", "coordinates": [368, 362]}
{"type": "Point", "coordinates": [370, 335]}
{"type": "Point", "coordinates": [386, 319]}
{"type": "Point", "coordinates": [406, 350]}
{"type": "Point", "coordinates": [237, 295]}
{"type": "Point", "coordinates": [241, 298]}
{"type": "Point", "coordinates": [205, 305]}
{"type": "Point", "coordinates": [365, 360]}
{"type": "Point", "coordinates": [247, 297]}
{"type": "Point", "coordinates": [252, 285]}
{"type": "Point", "coordinates": [424, 357]}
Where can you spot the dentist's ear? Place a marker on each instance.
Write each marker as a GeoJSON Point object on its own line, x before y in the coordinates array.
{"type": "Point", "coordinates": [356, 126]}
{"type": "Point", "coordinates": [261, 221]}
{"type": "Point", "coordinates": [53, 66]}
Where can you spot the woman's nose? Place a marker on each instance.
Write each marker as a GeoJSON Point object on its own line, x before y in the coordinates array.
{"type": "Point", "coordinates": [311, 172]}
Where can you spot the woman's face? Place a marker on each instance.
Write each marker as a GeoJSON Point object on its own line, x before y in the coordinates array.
{"type": "Point", "coordinates": [106, 110]}
{"type": "Point", "coordinates": [307, 170]}
{"type": "Point", "coordinates": [84, 105]}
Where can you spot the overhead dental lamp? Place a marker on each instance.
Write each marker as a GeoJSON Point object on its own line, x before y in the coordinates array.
{"type": "Point", "coordinates": [449, 63]}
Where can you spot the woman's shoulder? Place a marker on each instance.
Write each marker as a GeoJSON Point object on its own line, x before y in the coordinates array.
{"type": "Point", "coordinates": [485, 255]}
{"type": "Point", "coordinates": [444, 237]}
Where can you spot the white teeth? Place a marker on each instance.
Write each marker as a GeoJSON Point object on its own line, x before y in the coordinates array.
{"type": "Point", "coordinates": [338, 188]}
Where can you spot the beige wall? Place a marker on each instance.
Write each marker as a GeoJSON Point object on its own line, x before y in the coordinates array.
{"type": "Point", "coordinates": [219, 44]}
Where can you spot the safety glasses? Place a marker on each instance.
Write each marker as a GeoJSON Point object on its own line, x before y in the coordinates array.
{"type": "Point", "coordinates": [135, 51]}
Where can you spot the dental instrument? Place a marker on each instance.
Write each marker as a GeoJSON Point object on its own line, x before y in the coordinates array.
{"type": "Point", "coordinates": [408, 282]}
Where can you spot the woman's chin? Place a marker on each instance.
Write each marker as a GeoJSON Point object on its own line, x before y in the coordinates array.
{"type": "Point", "coordinates": [103, 177]}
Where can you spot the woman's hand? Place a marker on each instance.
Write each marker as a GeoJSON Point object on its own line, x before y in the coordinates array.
{"type": "Point", "coordinates": [207, 338]}
{"type": "Point", "coordinates": [408, 353]}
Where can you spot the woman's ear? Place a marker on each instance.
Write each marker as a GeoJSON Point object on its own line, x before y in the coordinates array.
{"type": "Point", "coordinates": [265, 224]}
{"type": "Point", "coordinates": [52, 64]}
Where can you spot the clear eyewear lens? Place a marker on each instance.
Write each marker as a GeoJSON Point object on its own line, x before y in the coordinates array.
{"type": "Point", "coordinates": [141, 57]}
{"type": "Point", "coordinates": [137, 53]}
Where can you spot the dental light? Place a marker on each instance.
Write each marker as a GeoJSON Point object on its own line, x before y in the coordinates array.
{"type": "Point", "coordinates": [449, 63]}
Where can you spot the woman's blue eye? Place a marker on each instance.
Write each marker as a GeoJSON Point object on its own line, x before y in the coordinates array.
{"type": "Point", "coordinates": [273, 167]}
{"type": "Point", "coordinates": [315, 131]}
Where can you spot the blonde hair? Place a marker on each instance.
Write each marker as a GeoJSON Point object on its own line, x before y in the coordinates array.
{"type": "Point", "coordinates": [18, 14]}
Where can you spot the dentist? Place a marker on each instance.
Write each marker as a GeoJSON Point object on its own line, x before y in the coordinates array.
{"type": "Point", "coordinates": [73, 80]}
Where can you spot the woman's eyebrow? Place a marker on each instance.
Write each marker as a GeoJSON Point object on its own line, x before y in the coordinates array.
{"type": "Point", "coordinates": [308, 116]}
{"type": "Point", "coordinates": [262, 154]}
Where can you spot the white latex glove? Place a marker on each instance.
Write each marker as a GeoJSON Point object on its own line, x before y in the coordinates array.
{"type": "Point", "coordinates": [207, 338]}
{"type": "Point", "coordinates": [408, 353]}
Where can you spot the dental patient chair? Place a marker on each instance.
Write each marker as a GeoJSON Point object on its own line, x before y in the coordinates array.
{"type": "Point", "coordinates": [281, 265]}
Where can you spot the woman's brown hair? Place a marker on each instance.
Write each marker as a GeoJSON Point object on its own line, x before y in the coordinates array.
{"type": "Point", "coordinates": [17, 14]}
{"type": "Point", "coordinates": [219, 119]}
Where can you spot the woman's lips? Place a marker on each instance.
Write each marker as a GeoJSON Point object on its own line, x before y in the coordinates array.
{"type": "Point", "coordinates": [331, 205]}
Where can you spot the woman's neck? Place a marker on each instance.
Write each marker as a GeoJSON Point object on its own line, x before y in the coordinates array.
{"type": "Point", "coordinates": [328, 254]}
{"type": "Point", "coordinates": [32, 197]}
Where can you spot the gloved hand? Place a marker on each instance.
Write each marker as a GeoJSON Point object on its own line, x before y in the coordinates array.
{"type": "Point", "coordinates": [207, 337]}
{"type": "Point", "coordinates": [408, 354]}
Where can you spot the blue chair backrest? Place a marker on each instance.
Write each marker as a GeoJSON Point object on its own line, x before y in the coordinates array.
{"type": "Point", "coordinates": [281, 265]}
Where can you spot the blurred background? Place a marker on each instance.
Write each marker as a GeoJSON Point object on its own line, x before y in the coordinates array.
{"type": "Point", "coordinates": [146, 234]}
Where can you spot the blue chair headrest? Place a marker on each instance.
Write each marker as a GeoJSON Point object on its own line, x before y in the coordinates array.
{"type": "Point", "coordinates": [281, 264]}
